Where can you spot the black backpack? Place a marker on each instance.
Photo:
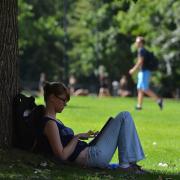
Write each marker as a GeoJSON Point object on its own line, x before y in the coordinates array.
{"type": "Point", "coordinates": [27, 116]}
{"type": "Point", "coordinates": [150, 62]}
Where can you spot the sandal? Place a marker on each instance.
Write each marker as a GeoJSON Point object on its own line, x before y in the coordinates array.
{"type": "Point", "coordinates": [139, 169]}
{"type": "Point", "coordinates": [133, 169]}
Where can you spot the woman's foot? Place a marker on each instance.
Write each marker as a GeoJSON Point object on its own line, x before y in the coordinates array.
{"type": "Point", "coordinates": [133, 169]}
{"type": "Point", "coordinates": [139, 169]}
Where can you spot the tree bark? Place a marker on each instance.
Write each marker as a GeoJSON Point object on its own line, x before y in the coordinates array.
{"type": "Point", "coordinates": [8, 68]}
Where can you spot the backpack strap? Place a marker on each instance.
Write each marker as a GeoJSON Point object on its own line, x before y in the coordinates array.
{"type": "Point", "coordinates": [34, 145]}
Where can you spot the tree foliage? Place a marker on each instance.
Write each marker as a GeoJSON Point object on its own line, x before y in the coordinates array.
{"type": "Point", "coordinates": [98, 33]}
{"type": "Point", "coordinates": [96, 40]}
{"type": "Point", "coordinates": [159, 23]}
{"type": "Point", "coordinates": [41, 39]}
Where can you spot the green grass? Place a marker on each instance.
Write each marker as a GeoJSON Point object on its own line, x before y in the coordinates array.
{"type": "Point", "coordinates": [158, 131]}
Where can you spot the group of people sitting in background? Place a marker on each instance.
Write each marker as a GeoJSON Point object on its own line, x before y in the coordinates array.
{"type": "Point", "coordinates": [106, 88]}
{"type": "Point", "coordinates": [117, 88]}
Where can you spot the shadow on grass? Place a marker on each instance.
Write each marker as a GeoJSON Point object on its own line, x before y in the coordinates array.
{"type": "Point", "coordinates": [17, 164]}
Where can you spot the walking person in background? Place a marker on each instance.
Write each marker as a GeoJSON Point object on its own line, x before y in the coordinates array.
{"type": "Point", "coordinates": [144, 75]}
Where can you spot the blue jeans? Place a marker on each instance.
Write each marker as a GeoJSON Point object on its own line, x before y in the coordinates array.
{"type": "Point", "coordinates": [121, 133]}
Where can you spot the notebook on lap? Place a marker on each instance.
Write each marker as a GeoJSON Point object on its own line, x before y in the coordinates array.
{"type": "Point", "coordinates": [93, 142]}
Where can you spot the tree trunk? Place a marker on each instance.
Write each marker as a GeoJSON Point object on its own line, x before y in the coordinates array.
{"type": "Point", "coordinates": [8, 68]}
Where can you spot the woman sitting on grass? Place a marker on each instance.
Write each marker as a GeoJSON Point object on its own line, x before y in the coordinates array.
{"type": "Point", "coordinates": [120, 132]}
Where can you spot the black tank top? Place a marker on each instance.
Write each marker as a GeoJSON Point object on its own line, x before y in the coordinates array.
{"type": "Point", "coordinates": [66, 135]}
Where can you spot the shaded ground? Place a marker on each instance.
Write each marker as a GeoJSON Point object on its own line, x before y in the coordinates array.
{"type": "Point", "coordinates": [17, 164]}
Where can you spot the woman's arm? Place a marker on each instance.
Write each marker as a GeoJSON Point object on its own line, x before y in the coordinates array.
{"type": "Point", "coordinates": [52, 133]}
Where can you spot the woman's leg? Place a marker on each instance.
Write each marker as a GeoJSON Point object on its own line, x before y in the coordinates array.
{"type": "Point", "coordinates": [120, 133]}
{"type": "Point", "coordinates": [100, 154]}
{"type": "Point", "coordinates": [129, 146]}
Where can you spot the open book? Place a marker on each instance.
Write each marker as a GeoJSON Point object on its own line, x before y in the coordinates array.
{"type": "Point", "coordinates": [93, 142]}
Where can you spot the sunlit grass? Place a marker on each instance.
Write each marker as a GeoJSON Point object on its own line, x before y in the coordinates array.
{"type": "Point", "coordinates": [158, 130]}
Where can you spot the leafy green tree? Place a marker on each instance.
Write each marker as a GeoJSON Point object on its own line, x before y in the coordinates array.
{"type": "Point", "coordinates": [98, 33]}
{"type": "Point", "coordinates": [96, 40]}
{"type": "Point", "coordinates": [158, 21]}
{"type": "Point", "coordinates": [41, 39]}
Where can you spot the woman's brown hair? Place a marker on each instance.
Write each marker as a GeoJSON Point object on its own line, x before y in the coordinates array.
{"type": "Point", "coordinates": [56, 88]}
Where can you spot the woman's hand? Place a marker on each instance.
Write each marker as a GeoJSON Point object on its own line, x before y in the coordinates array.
{"type": "Point", "coordinates": [93, 133]}
{"type": "Point", "coordinates": [89, 134]}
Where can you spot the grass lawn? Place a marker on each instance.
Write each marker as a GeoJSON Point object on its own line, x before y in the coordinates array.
{"type": "Point", "coordinates": [158, 131]}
